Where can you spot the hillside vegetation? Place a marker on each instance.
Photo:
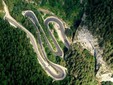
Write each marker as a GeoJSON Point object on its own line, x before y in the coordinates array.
{"type": "Point", "coordinates": [18, 61]}
{"type": "Point", "coordinates": [99, 21]}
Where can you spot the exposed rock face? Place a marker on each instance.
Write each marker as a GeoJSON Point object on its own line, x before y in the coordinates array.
{"type": "Point", "coordinates": [86, 40]}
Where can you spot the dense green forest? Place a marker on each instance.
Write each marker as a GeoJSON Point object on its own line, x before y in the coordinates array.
{"type": "Point", "coordinates": [81, 66]}
{"type": "Point", "coordinates": [69, 10]}
{"type": "Point", "coordinates": [18, 61]}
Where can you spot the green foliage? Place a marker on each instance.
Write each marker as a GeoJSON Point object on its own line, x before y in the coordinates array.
{"type": "Point", "coordinates": [107, 83]}
{"type": "Point", "coordinates": [18, 62]}
{"type": "Point", "coordinates": [68, 33]}
{"type": "Point", "coordinates": [81, 67]}
{"type": "Point", "coordinates": [68, 10]}
{"type": "Point", "coordinates": [1, 6]}
{"type": "Point", "coordinates": [2, 15]}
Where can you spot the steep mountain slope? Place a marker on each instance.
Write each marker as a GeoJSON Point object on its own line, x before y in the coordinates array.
{"type": "Point", "coordinates": [18, 62]}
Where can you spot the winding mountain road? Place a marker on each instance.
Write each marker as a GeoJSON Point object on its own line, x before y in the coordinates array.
{"type": "Point", "coordinates": [55, 71]}
{"type": "Point", "coordinates": [30, 14]}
